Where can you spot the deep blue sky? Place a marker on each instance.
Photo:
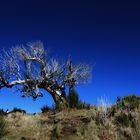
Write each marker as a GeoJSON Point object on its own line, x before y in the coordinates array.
{"type": "Point", "coordinates": [104, 33]}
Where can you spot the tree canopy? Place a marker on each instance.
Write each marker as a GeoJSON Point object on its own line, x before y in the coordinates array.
{"type": "Point", "coordinates": [31, 69]}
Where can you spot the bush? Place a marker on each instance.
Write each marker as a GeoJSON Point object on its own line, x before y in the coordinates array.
{"type": "Point", "coordinates": [58, 106]}
{"type": "Point", "coordinates": [103, 110]}
{"type": "Point", "coordinates": [18, 110]}
{"type": "Point", "coordinates": [83, 105]}
{"type": "Point", "coordinates": [73, 99]}
{"type": "Point", "coordinates": [128, 103]}
{"type": "Point", "coordinates": [2, 127]}
{"type": "Point", "coordinates": [56, 132]}
{"type": "Point", "coordinates": [46, 109]}
{"type": "Point", "coordinates": [74, 102]}
{"type": "Point", "coordinates": [132, 101]}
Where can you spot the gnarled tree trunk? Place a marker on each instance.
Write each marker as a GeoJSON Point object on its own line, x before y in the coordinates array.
{"type": "Point", "coordinates": [30, 68]}
{"type": "Point", "coordinates": [58, 98]}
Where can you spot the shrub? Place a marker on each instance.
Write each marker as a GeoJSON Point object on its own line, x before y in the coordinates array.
{"type": "Point", "coordinates": [2, 127]}
{"type": "Point", "coordinates": [83, 105]}
{"type": "Point", "coordinates": [102, 108]}
{"type": "Point", "coordinates": [132, 101]}
{"type": "Point", "coordinates": [74, 102]}
{"type": "Point", "coordinates": [18, 110]}
{"type": "Point", "coordinates": [58, 106]}
{"type": "Point", "coordinates": [128, 102]}
{"type": "Point", "coordinates": [73, 99]}
{"type": "Point", "coordinates": [46, 109]}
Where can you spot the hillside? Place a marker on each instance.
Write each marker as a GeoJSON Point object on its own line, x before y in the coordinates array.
{"type": "Point", "coordinates": [117, 122]}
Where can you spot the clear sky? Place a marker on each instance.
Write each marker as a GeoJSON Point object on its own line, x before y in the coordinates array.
{"type": "Point", "coordinates": [104, 33]}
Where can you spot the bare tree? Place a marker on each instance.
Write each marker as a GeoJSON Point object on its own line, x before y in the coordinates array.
{"type": "Point", "coordinates": [30, 69]}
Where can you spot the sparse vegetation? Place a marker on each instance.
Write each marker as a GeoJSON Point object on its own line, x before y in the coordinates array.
{"type": "Point", "coordinates": [46, 109]}
{"type": "Point", "coordinates": [130, 102]}
{"type": "Point", "coordinates": [103, 110]}
{"type": "Point", "coordinates": [18, 110]}
{"type": "Point", "coordinates": [83, 105]}
{"type": "Point", "coordinates": [58, 106]}
{"type": "Point", "coordinates": [73, 99]}
{"type": "Point", "coordinates": [117, 122]}
{"type": "Point", "coordinates": [75, 102]}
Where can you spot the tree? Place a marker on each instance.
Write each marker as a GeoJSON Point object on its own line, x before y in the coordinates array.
{"type": "Point", "coordinates": [30, 69]}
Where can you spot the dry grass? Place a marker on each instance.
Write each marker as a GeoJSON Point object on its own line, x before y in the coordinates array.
{"type": "Point", "coordinates": [71, 125]}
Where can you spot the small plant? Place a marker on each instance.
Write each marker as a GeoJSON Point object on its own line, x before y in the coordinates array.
{"type": "Point", "coordinates": [83, 105]}
{"type": "Point", "coordinates": [73, 99]}
{"type": "Point", "coordinates": [46, 109]}
{"type": "Point", "coordinates": [132, 102]}
{"type": "Point", "coordinates": [123, 119]}
{"type": "Point", "coordinates": [58, 106]}
{"type": "Point", "coordinates": [74, 102]}
{"type": "Point", "coordinates": [18, 110]}
{"type": "Point", "coordinates": [128, 102]}
{"type": "Point", "coordinates": [103, 106]}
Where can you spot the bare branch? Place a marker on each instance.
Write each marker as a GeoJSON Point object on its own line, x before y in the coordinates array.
{"type": "Point", "coordinates": [29, 67]}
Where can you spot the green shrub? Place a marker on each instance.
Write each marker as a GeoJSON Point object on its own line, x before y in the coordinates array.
{"type": "Point", "coordinates": [83, 105]}
{"type": "Point", "coordinates": [74, 102]}
{"type": "Point", "coordinates": [58, 106]}
{"type": "Point", "coordinates": [18, 110]}
{"type": "Point", "coordinates": [132, 101]}
{"type": "Point", "coordinates": [2, 127]}
{"type": "Point", "coordinates": [73, 99]}
{"type": "Point", "coordinates": [128, 102]}
{"type": "Point", "coordinates": [46, 109]}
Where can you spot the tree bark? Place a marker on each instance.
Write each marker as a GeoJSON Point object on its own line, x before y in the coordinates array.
{"type": "Point", "coordinates": [62, 99]}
